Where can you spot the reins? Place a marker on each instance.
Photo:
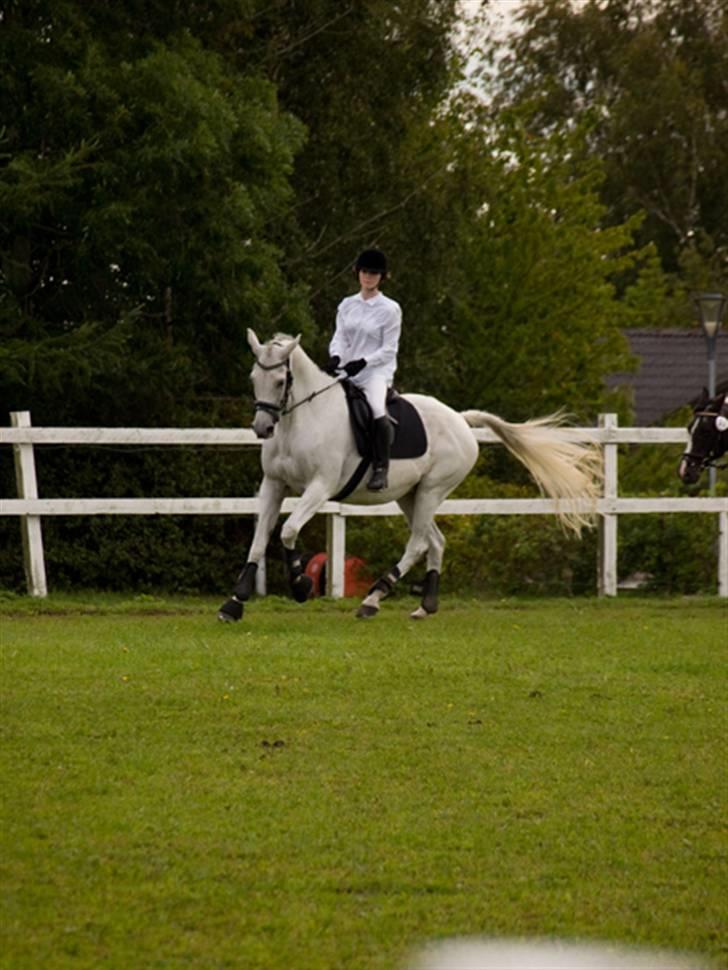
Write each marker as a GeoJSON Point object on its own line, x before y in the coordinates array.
{"type": "Point", "coordinates": [311, 396]}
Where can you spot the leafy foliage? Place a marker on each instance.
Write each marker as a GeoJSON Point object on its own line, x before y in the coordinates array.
{"type": "Point", "coordinates": [653, 74]}
{"type": "Point", "coordinates": [521, 337]}
{"type": "Point", "coordinates": [141, 180]}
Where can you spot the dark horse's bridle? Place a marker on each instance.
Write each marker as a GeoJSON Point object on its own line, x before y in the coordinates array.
{"type": "Point", "coordinates": [717, 447]}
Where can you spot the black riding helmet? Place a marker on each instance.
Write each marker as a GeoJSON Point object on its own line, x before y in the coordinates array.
{"type": "Point", "coordinates": [373, 260]}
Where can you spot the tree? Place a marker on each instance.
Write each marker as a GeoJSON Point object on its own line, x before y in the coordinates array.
{"type": "Point", "coordinates": [528, 316]}
{"type": "Point", "coordinates": [366, 78]}
{"type": "Point", "coordinates": [653, 75]}
{"type": "Point", "coordinates": [142, 187]}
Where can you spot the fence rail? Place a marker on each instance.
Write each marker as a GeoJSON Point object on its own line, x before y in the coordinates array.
{"type": "Point", "coordinates": [31, 509]}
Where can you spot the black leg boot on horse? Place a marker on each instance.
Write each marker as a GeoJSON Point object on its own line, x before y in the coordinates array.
{"type": "Point", "coordinates": [232, 609]}
{"type": "Point", "coordinates": [300, 584]}
{"type": "Point", "coordinates": [379, 591]}
{"type": "Point", "coordinates": [380, 460]}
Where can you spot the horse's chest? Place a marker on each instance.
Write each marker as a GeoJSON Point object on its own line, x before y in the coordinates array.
{"type": "Point", "coordinates": [291, 470]}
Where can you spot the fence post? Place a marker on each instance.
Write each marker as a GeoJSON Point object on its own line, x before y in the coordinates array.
{"type": "Point", "coordinates": [335, 554]}
{"type": "Point", "coordinates": [723, 554]}
{"type": "Point", "coordinates": [607, 580]}
{"type": "Point", "coordinates": [30, 527]}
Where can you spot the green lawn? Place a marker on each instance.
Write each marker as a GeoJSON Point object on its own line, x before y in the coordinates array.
{"type": "Point", "coordinates": [307, 791]}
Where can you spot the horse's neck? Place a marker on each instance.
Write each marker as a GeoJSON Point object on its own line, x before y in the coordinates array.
{"type": "Point", "coordinates": [328, 404]}
{"type": "Point", "coordinates": [307, 377]}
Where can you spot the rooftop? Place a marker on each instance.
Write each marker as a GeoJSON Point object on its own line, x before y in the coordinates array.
{"type": "Point", "coordinates": [673, 370]}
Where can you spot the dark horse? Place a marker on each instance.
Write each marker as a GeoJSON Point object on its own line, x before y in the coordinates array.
{"type": "Point", "coordinates": [708, 437]}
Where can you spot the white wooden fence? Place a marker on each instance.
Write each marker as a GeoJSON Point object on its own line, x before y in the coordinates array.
{"type": "Point", "coordinates": [30, 508]}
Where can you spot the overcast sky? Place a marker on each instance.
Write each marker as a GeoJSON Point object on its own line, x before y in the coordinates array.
{"type": "Point", "coordinates": [503, 10]}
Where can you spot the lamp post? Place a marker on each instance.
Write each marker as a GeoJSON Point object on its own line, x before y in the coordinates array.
{"type": "Point", "coordinates": [710, 308]}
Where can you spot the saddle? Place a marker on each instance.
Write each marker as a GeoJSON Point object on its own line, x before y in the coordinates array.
{"type": "Point", "coordinates": [409, 435]}
{"type": "Point", "coordinates": [409, 438]}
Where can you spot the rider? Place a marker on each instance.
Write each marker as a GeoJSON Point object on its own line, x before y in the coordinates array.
{"type": "Point", "coordinates": [364, 344]}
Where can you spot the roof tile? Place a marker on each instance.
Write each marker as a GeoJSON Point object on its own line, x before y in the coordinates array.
{"type": "Point", "coordinates": [672, 372]}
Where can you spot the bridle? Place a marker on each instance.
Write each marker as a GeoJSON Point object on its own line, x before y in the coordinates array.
{"type": "Point", "coordinates": [278, 411]}
{"type": "Point", "coordinates": [710, 458]}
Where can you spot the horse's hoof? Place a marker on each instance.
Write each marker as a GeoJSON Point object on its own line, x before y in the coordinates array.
{"type": "Point", "coordinates": [230, 612]}
{"type": "Point", "coordinates": [366, 612]}
{"type": "Point", "coordinates": [302, 588]}
{"type": "Point", "coordinates": [420, 613]}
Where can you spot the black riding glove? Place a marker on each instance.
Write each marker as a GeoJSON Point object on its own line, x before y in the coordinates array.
{"type": "Point", "coordinates": [332, 366]}
{"type": "Point", "coordinates": [354, 366]}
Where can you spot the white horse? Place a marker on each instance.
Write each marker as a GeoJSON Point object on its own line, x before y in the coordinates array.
{"type": "Point", "coordinates": [309, 450]}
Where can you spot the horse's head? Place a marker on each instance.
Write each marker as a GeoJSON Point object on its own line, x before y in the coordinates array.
{"type": "Point", "coordinates": [707, 437]}
{"type": "Point", "coordinates": [271, 377]}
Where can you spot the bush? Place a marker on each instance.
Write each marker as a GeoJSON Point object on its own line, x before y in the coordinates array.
{"type": "Point", "coordinates": [678, 552]}
{"type": "Point", "coordinates": [488, 555]}
{"type": "Point", "coordinates": [188, 553]}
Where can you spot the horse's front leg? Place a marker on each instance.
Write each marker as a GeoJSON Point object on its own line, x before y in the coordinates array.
{"type": "Point", "coordinates": [308, 505]}
{"type": "Point", "coordinates": [270, 496]}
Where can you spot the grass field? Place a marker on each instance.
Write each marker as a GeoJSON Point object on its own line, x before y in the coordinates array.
{"type": "Point", "coordinates": [310, 792]}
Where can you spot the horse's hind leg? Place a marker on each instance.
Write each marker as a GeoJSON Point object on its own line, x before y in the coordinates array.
{"type": "Point", "coordinates": [382, 588]}
{"type": "Point", "coordinates": [430, 601]}
{"type": "Point", "coordinates": [425, 537]}
{"type": "Point", "coordinates": [271, 498]}
{"type": "Point", "coordinates": [435, 550]}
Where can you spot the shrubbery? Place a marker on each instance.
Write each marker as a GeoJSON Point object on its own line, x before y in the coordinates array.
{"type": "Point", "coordinates": [485, 555]}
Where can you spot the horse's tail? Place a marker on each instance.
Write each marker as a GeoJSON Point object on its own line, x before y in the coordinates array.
{"type": "Point", "coordinates": [567, 470]}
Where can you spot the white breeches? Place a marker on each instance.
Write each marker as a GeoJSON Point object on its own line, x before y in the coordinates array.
{"type": "Point", "coordinates": [375, 387]}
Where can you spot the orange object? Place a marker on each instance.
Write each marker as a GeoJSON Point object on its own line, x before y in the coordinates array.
{"type": "Point", "coordinates": [356, 577]}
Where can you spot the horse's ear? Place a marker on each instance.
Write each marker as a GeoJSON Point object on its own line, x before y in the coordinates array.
{"type": "Point", "coordinates": [253, 342]}
{"type": "Point", "coordinates": [292, 344]}
{"type": "Point", "coordinates": [703, 399]}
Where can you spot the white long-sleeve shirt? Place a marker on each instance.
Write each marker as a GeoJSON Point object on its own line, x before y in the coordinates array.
{"type": "Point", "coordinates": [369, 329]}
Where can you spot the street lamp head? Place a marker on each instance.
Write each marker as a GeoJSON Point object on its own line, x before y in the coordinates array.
{"type": "Point", "coordinates": [710, 308]}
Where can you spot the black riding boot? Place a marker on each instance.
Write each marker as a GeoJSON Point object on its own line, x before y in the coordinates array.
{"type": "Point", "coordinates": [380, 459]}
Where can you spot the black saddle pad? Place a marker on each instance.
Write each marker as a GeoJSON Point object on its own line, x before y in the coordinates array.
{"type": "Point", "coordinates": [410, 437]}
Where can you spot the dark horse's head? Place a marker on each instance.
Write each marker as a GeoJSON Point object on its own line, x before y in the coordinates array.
{"type": "Point", "coordinates": [707, 437]}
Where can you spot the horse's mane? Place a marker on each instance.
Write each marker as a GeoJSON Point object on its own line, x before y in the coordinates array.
{"type": "Point", "coordinates": [280, 339]}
